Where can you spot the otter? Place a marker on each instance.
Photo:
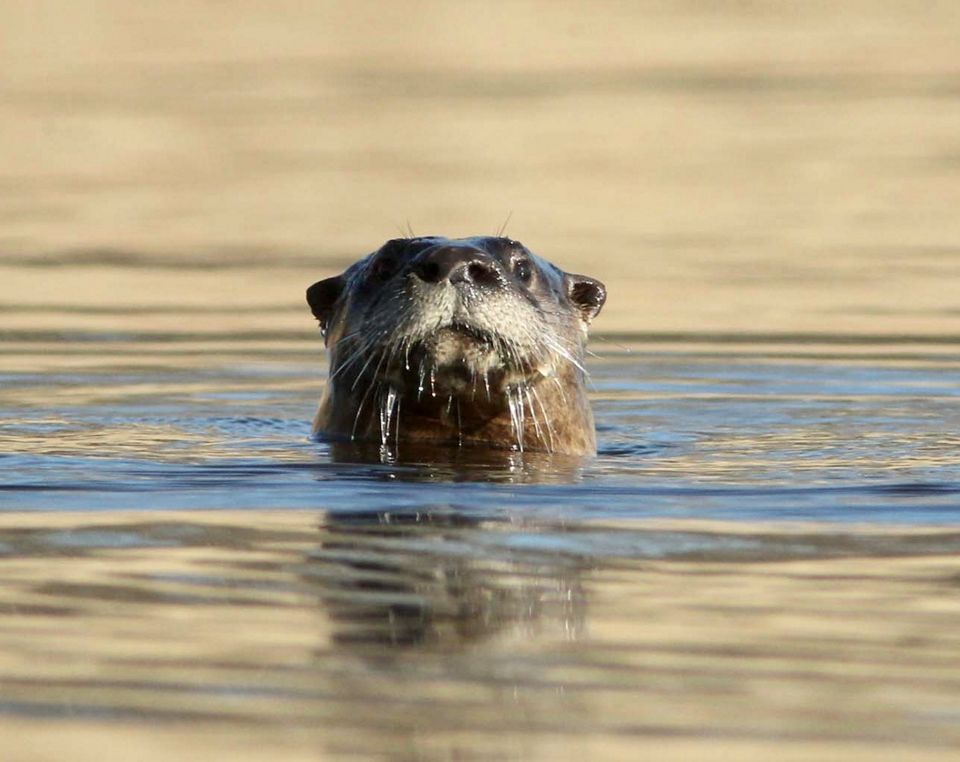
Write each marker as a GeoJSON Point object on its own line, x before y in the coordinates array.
{"type": "Point", "coordinates": [457, 342]}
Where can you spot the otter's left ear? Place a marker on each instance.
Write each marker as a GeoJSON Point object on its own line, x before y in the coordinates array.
{"type": "Point", "coordinates": [587, 294]}
{"type": "Point", "coordinates": [322, 296]}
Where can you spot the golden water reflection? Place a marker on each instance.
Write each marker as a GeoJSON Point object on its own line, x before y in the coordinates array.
{"type": "Point", "coordinates": [426, 633]}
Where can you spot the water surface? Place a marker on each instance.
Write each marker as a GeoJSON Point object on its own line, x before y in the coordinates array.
{"type": "Point", "coordinates": [764, 553]}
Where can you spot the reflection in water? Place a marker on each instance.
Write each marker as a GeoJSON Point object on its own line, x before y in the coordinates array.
{"type": "Point", "coordinates": [425, 634]}
{"type": "Point", "coordinates": [425, 607]}
{"type": "Point", "coordinates": [391, 578]}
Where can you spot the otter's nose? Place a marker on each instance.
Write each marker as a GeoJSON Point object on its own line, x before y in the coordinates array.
{"type": "Point", "coordinates": [457, 264]}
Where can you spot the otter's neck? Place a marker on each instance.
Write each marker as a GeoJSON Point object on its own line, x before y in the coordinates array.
{"type": "Point", "coordinates": [551, 414]}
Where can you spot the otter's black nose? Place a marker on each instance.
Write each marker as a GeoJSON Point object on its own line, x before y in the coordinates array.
{"type": "Point", "coordinates": [458, 264]}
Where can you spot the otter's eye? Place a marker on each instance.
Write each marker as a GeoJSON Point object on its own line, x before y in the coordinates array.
{"type": "Point", "coordinates": [522, 269]}
{"type": "Point", "coordinates": [383, 268]}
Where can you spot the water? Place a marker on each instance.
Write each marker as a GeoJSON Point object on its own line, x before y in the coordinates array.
{"type": "Point", "coordinates": [691, 432]}
{"type": "Point", "coordinates": [764, 553]}
{"type": "Point", "coordinates": [762, 561]}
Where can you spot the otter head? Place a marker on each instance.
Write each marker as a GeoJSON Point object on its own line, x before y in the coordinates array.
{"type": "Point", "coordinates": [477, 320]}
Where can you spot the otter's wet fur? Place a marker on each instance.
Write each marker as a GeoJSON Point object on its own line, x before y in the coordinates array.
{"type": "Point", "coordinates": [460, 342]}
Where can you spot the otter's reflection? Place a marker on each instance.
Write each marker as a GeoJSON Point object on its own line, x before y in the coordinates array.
{"type": "Point", "coordinates": [436, 577]}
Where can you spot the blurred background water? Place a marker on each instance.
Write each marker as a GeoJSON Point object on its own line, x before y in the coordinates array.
{"type": "Point", "coordinates": [760, 563]}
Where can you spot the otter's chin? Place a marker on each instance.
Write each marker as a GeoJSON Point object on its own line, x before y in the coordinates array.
{"type": "Point", "coordinates": [455, 346]}
{"type": "Point", "coordinates": [457, 361]}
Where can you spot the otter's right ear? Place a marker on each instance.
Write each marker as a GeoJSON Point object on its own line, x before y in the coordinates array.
{"type": "Point", "coordinates": [321, 297]}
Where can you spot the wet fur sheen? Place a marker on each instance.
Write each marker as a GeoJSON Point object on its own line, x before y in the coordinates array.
{"type": "Point", "coordinates": [491, 356]}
